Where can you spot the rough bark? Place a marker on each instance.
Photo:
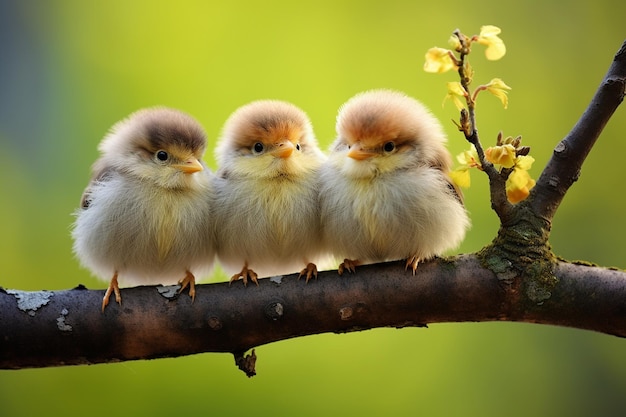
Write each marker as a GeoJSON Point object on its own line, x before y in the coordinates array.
{"type": "Point", "coordinates": [54, 328]}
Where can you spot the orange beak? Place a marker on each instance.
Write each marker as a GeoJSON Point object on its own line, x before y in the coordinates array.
{"type": "Point", "coordinates": [359, 153]}
{"type": "Point", "coordinates": [189, 166]}
{"type": "Point", "coordinates": [283, 149]}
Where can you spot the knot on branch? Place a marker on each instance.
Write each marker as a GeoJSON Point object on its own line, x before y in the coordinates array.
{"type": "Point", "coordinates": [246, 363]}
{"type": "Point", "coordinates": [521, 257]}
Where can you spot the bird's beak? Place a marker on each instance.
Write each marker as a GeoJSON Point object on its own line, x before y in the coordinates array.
{"type": "Point", "coordinates": [283, 149]}
{"type": "Point", "coordinates": [357, 152]}
{"type": "Point", "coordinates": [189, 166]}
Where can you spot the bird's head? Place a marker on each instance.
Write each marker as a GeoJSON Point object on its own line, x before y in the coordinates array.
{"type": "Point", "coordinates": [268, 139]}
{"type": "Point", "coordinates": [159, 145]}
{"type": "Point", "coordinates": [381, 131]}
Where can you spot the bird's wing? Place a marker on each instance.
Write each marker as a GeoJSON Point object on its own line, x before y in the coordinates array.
{"type": "Point", "coordinates": [99, 175]}
{"type": "Point", "coordinates": [442, 165]}
{"type": "Point", "coordinates": [455, 190]}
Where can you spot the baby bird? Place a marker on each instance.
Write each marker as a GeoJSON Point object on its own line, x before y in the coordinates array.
{"type": "Point", "coordinates": [266, 192]}
{"type": "Point", "coordinates": [385, 190]}
{"type": "Point", "coordinates": [145, 217]}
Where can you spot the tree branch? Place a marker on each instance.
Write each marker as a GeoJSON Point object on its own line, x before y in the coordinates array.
{"type": "Point", "coordinates": [67, 327]}
{"type": "Point", "coordinates": [521, 247]}
{"type": "Point", "coordinates": [564, 167]}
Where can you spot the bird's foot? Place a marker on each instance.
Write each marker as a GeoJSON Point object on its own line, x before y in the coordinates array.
{"type": "Point", "coordinates": [245, 274]}
{"type": "Point", "coordinates": [413, 261]}
{"type": "Point", "coordinates": [188, 281]}
{"type": "Point", "coordinates": [348, 265]}
{"type": "Point", "coordinates": [113, 288]}
{"type": "Point", "coordinates": [309, 271]}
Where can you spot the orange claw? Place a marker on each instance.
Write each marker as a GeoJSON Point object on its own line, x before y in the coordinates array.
{"type": "Point", "coordinates": [190, 281]}
{"type": "Point", "coordinates": [245, 274]}
{"type": "Point", "coordinates": [413, 261]}
{"type": "Point", "coordinates": [113, 288]}
{"type": "Point", "coordinates": [348, 265]}
{"type": "Point", "coordinates": [310, 271]}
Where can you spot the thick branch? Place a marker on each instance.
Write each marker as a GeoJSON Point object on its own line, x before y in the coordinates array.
{"type": "Point", "coordinates": [564, 167]}
{"type": "Point", "coordinates": [67, 328]}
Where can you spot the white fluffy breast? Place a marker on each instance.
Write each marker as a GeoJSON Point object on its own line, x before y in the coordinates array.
{"type": "Point", "coordinates": [148, 234]}
{"type": "Point", "coordinates": [390, 217]}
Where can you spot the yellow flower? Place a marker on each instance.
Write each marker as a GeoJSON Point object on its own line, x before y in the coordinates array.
{"type": "Point", "coordinates": [498, 88]}
{"type": "Point", "coordinates": [468, 159]}
{"type": "Point", "coordinates": [455, 43]}
{"type": "Point", "coordinates": [455, 93]}
{"type": "Point", "coordinates": [501, 155]}
{"type": "Point", "coordinates": [518, 186]}
{"type": "Point", "coordinates": [519, 183]}
{"type": "Point", "coordinates": [439, 60]}
{"type": "Point", "coordinates": [461, 177]}
{"type": "Point", "coordinates": [524, 162]}
{"type": "Point", "coordinates": [495, 46]}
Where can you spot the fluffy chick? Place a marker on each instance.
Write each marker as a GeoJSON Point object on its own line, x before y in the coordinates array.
{"type": "Point", "coordinates": [266, 192]}
{"type": "Point", "coordinates": [385, 190]}
{"type": "Point", "coordinates": [145, 216]}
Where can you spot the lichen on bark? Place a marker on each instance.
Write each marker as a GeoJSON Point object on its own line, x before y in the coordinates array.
{"type": "Point", "coordinates": [521, 252]}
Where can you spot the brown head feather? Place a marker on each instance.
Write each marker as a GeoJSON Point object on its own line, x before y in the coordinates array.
{"type": "Point", "coordinates": [265, 120]}
{"type": "Point", "coordinates": [156, 128]}
{"type": "Point", "coordinates": [377, 116]}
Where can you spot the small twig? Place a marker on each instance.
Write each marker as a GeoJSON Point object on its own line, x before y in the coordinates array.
{"type": "Point", "coordinates": [246, 363]}
{"type": "Point", "coordinates": [497, 181]}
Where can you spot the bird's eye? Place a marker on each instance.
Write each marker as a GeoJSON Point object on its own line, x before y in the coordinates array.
{"type": "Point", "coordinates": [257, 148]}
{"type": "Point", "coordinates": [297, 146]}
{"type": "Point", "coordinates": [162, 156]}
{"type": "Point", "coordinates": [389, 147]}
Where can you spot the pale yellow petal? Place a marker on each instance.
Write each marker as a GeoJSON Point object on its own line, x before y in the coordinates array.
{"type": "Point", "coordinates": [438, 60]}
{"type": "Point", "coordinates": [461, 177]}
{"type": "Point", "coordinates": [518, 185]}
{"type": "Point", "coordinates": [455, 43]}
{"type": "Point", "coordinates": [495, 50]}
{"type": "Point", "coordinates": [516, 195]}
{"type": "Point", "coordinates": [462, 158]}
{"type": "Point", "coordinates": [501, 155]}
{"type": "Point", "coordinates": [498, 88]}
{"type": "Point", "coordinates": [489, 30]}
{"type": "Point", "coordinates": [469, 158]}
{"type": "Point", "coordinates": [455, 87]}
{"type": "Point", "coordinates": [518, 179]}
{"type": "Point", "coordinates": [457, 94]}
{"type": "Point", "coordinates": [498, 83]}
{"type": "Point", "coordinates": [495, 46]}
{"type": "Point", "coordinates": [524, 162]}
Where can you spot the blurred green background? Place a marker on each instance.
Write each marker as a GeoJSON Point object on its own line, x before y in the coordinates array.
{"type": "Point", "coordinates": [70, 69]}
